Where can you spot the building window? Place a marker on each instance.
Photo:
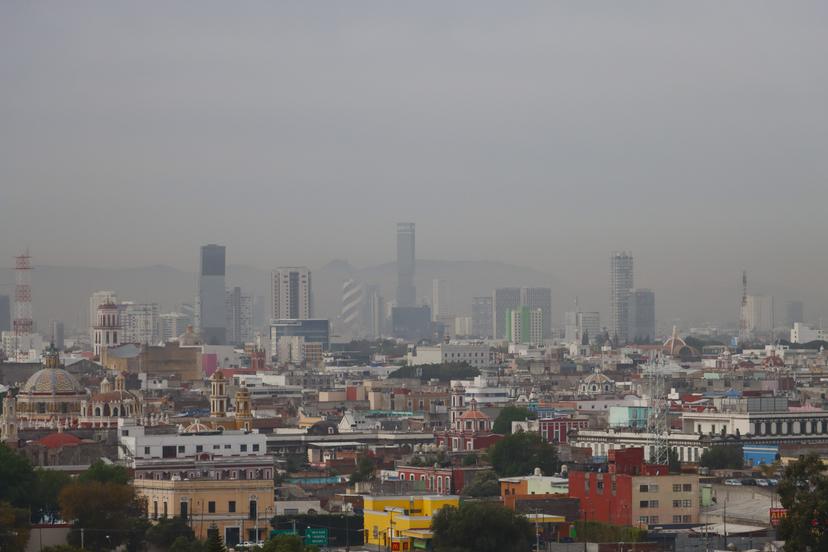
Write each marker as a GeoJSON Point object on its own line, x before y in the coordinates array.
{"type": "Point", "coordinates": [676, 519]}
{"type": "Point", "coordinates": [687, 487]}
{"type": "Point", "coordinates": [199, 448]}
{"type": "Point", "coordinates": [253, 511]}
{"type": "Point", "coordinates": [180, 449]}
{"type": "Point", "coordinates": [184, 509]}
{"type": "Point", "coordinates": [644, 519]}
{"type": "Point", "coordinates": [227, 446]}
{"type": "Point", "coordinates": [146, 450]}
{"type": "Point", "coordinates": [677, 487]}
{"type": "Point", "coordinates": [644, 504]}
{"type": "Point", "coordinates": [216, 447]}
{"type": "Point", "coordinates": [211, 507]}
{"type": "Point", "coordinates": [243, 448]}
{"type": "Point", "coordinates": [255, 448]}
{"type": "Point", "coordinates": [231, 506]}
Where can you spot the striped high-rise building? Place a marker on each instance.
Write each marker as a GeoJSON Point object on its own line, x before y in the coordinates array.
{"type": "Point", "coordinates": [353, 307]}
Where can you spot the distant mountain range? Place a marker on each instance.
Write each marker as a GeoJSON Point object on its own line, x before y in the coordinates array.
{"type": "Point", "coordinates": [62, 292]}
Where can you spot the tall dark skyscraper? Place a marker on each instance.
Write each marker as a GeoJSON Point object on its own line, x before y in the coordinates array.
{"type": "Point", "coordinates": [406, 264]}
{"type": "Point", "coordinates": [211, 314]}
{"type": "Point", "coordinates": [482, 317]}
{"type": "Point", "coordinates": [621, 282]}
{"type": "Point", "coordinates": [503, 301]}
{"type": "Point", "coordinates": [5, 313]}
{"type": "Point", "coordinates": [641, 315]}
{"type": "Point", "coordinates": [794, 312]}
{"type": "Point", "coordinates": [539, 298]}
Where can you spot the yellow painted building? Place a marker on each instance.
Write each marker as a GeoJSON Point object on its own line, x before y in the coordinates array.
{"type": "Point", "coordinates": [402, 522]}
{"type": "Point", "coordinates": [240, 508]}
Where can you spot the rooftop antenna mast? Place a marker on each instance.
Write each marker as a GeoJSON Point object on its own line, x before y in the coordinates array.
{"type": "Point", "coordinates": [659, 408]}
{"type": "Point", "coordinates": [743, 321]}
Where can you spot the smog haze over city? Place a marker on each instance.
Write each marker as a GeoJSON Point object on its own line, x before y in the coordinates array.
{"type": "Point", "coordinates": [539, 134]}
{"type": "Point", "coordinates": [455, 276]}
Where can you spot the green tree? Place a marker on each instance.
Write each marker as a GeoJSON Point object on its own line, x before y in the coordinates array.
{"type": "Point", "coordinates": [470, 460]}
{"type": "Point", "coordinates": [284, 543]}
{"type": "Point", "coordinates": [44, 498]}
{"type": "Point", "coordinates": [183, 544]}
{"type": "Point", "coordinates": [673, 462]}
{"type": "Point", "coordinates": [214, 542]}
{"type": "Point", "coordinates": [109, 513]}
{"type": "Point", "coordinates": [723, 457]}
{"type": "Point", "coordinates": [364, 470]}
{"type": "Point", "coordinates": [520, 453]}
{"type": "Point", "coordinates": [14, 527]}
{"type": "Point", "coordinates": [803, 490]}
{"type": "Point", "coordinates": [484, 484]}
{"type": "Point", "coordinates": [596, 531]}
{"type": "Point", "coordinates": [105, 473]}
{"type": "Point", "coordinates": [167, 530]}
{"type": "Point", "coordinates": [503, 422]}
{"type": "Point", "coordinates": [17, 478]}
{"type": "Point", "coordinates": [481, 527]}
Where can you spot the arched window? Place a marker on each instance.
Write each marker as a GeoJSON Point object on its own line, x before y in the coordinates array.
{"type": "Point", "coordinates": [97, 411]}
{"type": "Point", "coordinates": [106, 409]}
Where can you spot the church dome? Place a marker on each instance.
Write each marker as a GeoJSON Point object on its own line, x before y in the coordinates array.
{"type": "Point", "coordinates": [53, 381]}
{"type": "Point", "coordinates": [197, 427]}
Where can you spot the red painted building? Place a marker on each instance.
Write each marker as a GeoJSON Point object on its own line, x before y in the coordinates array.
{"type": "Point", "coordinates": [440, 480]}
{"type": "Point", "coordinates": [628, 491]}
{"type": "Point", "coordinates": [556, 430]}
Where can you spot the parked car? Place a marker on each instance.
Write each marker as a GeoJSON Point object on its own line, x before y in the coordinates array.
{"type": "Point", "coordinates": [773, 482]}
{"type": "Point", "coordinates": [749, 481]}
{"type": "Point", "coordinates": [762, 483]}
{"type": "Point", "coordinates": [732, 482]}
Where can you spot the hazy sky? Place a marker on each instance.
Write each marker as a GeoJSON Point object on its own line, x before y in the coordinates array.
{"type": "Point", "coordinates": [545, 134]}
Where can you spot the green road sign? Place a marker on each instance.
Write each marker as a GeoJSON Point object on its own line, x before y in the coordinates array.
{"type": "Point", "coordinates": [316, 536]}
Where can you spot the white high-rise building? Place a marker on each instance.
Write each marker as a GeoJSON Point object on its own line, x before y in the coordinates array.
{"type": "Point", "coordinates": [621, 282]}
{"type": "Point", "coordinates": [353, 310]}
{"type": "Point", "coordinates": [291, 294]}
{"type": "Point", "coordinates": [172, 324]}
{"type": "Point", "coordinates": [375, 307]}
{"type": "Point", "coordinates": [439, 298]}
{"type": "Point", "coordinates": [140, 323]}
{"type": "Point", "coordinates": [759, 314]}
{"type": "Point", "coordinates": [239, 307]}
{"type": "Point", "coordinates": [96, 300]}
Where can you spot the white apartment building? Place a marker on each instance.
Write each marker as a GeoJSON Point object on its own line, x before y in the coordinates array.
{"type": "Point", "coordinates": [140, 323]}
{"type": "Point", "coordinates": [759, 314]}
{"type": "Point", "coordinates": [239, 307]}
{"type": "Point", "coordinates": [478, 355]}
{"type": "Point", "coordinates": [171, 325]}
{"type": "Point", "coordinates": [803, 333]}
{"type": "Point", "coordinates": [689, 446]}
{"type": "Point", "coordinates": [291, 295]}
{"type": "Point", "coordinates": [137, 444]}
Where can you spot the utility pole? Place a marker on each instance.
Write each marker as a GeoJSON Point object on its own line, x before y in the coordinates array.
{"type": "Point", "coordinates": [81, 530]}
